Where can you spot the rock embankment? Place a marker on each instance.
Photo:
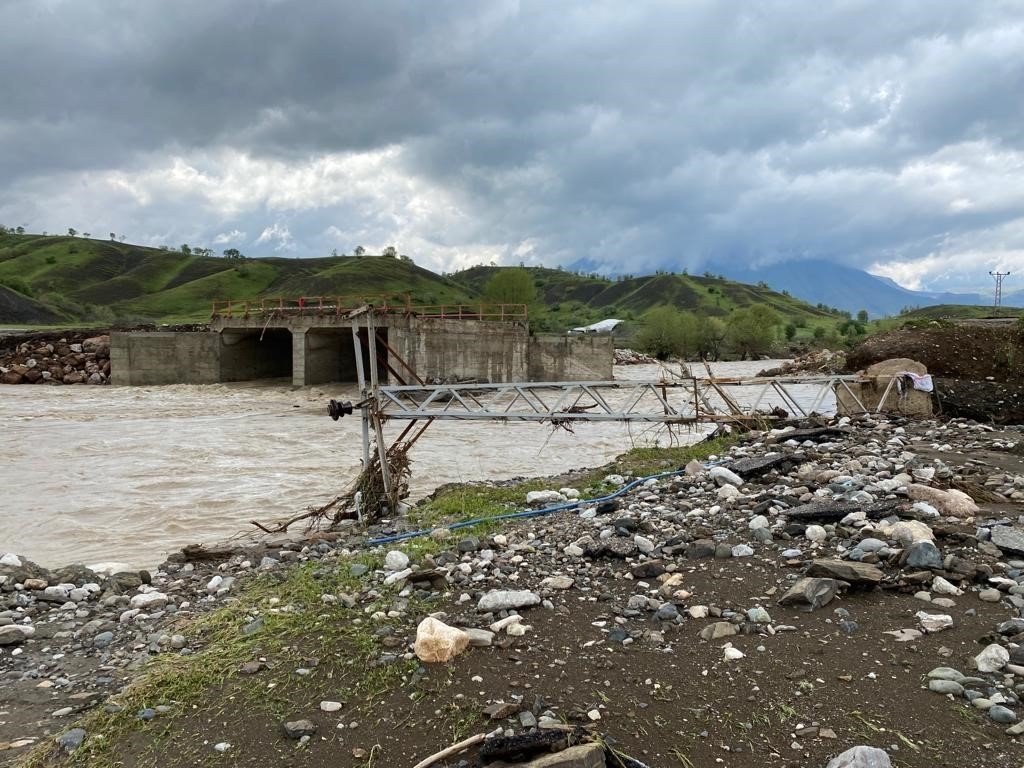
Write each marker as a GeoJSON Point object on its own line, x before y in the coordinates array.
{"type": "Point", "coordinates": [72, 358]}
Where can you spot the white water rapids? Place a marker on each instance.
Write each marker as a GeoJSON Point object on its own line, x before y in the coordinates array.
{"type": "Point", "coordinates": [130, 474]}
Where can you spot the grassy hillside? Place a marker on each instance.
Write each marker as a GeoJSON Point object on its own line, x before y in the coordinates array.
{"type": "Point", "coordinates": [70, 279]}
{"type": "Point", "coordinates": [573, 298]}
{"type": "Point", "coordinates": [85, 279]}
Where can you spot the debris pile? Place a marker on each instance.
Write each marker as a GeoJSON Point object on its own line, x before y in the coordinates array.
{"type": "Point", "coordinates": [70, 359]}
{"type": "Point", "coordinates": [632, 357]}
{"type": "Point", "coordinates": [820, 361]}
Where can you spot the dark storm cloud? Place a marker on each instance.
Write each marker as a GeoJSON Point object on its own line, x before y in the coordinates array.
{"type": "Point", "coordinates": [630, 135]}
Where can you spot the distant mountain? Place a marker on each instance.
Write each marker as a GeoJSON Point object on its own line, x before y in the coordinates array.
{"type": "Point", "coordinates": [818, 281]}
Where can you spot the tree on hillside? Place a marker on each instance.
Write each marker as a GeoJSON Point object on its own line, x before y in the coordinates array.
{"type": "Point", "coordinates": [710, 336]}
{"type": "Point", "coordinates": [186, 250]}
{"type": "Point", "coordinates": [72, 231]}
{"type": "Point", "coordinates": [751, 330]}
{"type": "Point", "coordinates": [113, 236]}
{"type": "Point", "coordinates": [667, 332]}
{"type": "Point", "coordinates": [232, 253]}
{"type": "Point", "coordinates": [19, 230]}
{"type": "Point", "coordinates": [390, 252]}
{"type": "Point", "coordinates": [511, 286]}
{"type": "Point", "coordinates": [359, 251]}
{"type": "Point", "coordinates": [862, 317]}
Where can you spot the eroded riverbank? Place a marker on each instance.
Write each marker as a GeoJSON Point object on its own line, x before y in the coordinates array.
{"type": "Point", "coordinates": [663, 614]}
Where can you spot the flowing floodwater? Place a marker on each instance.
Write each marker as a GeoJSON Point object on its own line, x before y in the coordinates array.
{"type": "Point", "coordinates": [129, 474]}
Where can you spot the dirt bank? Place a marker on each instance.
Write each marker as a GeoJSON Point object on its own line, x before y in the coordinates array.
{"type": "Point", "coordinates": [978, 366]}
{"type": "Point", "coordinates": [972, 351]}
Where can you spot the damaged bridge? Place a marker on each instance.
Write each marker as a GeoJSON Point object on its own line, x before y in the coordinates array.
{"type": "Point", "coordinates": [308, 341]}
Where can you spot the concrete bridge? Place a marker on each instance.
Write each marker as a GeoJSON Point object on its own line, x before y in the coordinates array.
{"type": "Point", "coordinates": [309, 341]}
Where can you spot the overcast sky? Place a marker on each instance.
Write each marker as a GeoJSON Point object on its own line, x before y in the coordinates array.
{"type": "Point", "coordinates": [627, 135]}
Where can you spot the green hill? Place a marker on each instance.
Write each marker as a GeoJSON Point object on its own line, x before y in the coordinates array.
{"type": "Point", "coordinates": [574, 298]}
{"type": "Point", "coordinates": [85, 279]}
{"type": "Point", "coordinates": [71, 279]}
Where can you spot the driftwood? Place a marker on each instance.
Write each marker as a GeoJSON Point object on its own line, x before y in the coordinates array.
{"type": "Point", "coordinates": [452, 750]}
{"type": "Point", "coordinates": [365, 496]}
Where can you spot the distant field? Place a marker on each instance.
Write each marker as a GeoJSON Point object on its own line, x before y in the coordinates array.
{"type": "Point", "coordinates": [961, 312]}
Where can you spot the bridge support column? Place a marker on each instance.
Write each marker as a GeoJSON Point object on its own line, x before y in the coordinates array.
{"type": "Point", "coordinates": [299, 356]}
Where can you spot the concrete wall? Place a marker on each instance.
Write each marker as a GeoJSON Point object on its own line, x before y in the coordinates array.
{"type": "Point", "coordinates": [571, 358]}
{"type": "Point", "coordinates": [463, 349]}
{"type": "Point", "coordinates": [142, 359]}
{"type": "Point", "coordinates": [307, 353]}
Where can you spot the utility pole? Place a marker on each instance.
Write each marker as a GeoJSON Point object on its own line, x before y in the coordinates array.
{"type": "Point", "coordinates": [999, 288]}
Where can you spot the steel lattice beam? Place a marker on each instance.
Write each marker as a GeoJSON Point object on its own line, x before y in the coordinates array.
{"type": "Point", "coordinates": [678, 402]}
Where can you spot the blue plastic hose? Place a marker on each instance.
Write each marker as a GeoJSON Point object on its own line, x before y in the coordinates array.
{"type": "Point", "coordinates": [529, 512]}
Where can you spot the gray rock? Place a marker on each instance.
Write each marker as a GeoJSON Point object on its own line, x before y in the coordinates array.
{"type": "Point", "coordinates": [396, 560]}
{"type": "Point", "coordinates": [700, 549]}
{"type": "Point", "coordinates": [71, 740]}
{"type": "Point", "coordinates": [1011, 627]}
{"type": "Point", "coordinates": [758, 615]}
{"type": "Point", "coordinates": [506, 599]}
{"type": "Point", "coordinates": [1002, 715]}
{"type": "Point", "coordinates": [870, 545]}
{"type": "Point", "coordinates": [812, 593]}
{"type": "Point", "coordinates": [11, 635]}
{"type": "Point", "coordinates": [992, 659]}
{"type": "Point", "coordinates": [861, 757]}
{"type": "Point", "coordinates": [742, 550]}
{"type": "Point", "coordinates": [945, 687]}
{"type": "Point", "coordinates": [945, 673]}
{"type": "Point", "coordinates": [924, 554]}
{"type": "Point", "coordinates": [718, 630]}
{"type": "Point", "coordinates": [855, 573]}
{"type": "Point", "coordinates": [725, 476]}
{"type": "Point", "coordinates": [296, 729]}
{"type": "Point", "coordinates": [667, 612]}
{"type": "Point", "coordinates": [103, 639]}
{"type": "Point", "coordinates": [1008, 539]}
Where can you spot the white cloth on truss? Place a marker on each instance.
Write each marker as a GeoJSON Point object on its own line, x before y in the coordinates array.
{"type": "Point", "coordinates": [920, 381]}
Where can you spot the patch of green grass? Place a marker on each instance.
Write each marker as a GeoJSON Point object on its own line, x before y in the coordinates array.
{"type": "Point", "coordinates": [296, 625]}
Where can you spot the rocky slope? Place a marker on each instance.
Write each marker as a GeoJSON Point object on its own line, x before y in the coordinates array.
{"type": "Point", "coordinates": [65, 357]}
{"type": "Point", "coordinates": [816, 590]}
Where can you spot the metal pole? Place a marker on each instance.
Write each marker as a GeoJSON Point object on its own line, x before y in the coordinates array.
{"type": "Point", "coordinates": [382, 450]}
{"type": "Point", "coordinates": [357, 346]}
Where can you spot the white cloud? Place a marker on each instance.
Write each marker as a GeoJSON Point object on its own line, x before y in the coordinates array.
{"type": "Point", "coordinates": [277, 234]}
{"type": "Point", "coordinates": [233, 236]}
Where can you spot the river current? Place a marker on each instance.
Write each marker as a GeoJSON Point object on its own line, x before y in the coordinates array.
{"type": "Point", "coordinates": [129, 474]}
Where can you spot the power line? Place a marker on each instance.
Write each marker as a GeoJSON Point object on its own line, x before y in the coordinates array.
{"type": "Point", "coordinates": [999, 287]}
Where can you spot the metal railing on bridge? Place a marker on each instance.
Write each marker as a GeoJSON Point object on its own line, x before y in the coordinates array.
{"type": "Point", "coordinates": [382, 303]}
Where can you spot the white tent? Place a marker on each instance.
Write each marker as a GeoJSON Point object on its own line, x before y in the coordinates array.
{"type": "Point", "coordinates": [603, 326]}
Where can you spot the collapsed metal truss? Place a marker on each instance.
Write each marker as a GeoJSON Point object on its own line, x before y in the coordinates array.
{"type": "Point", "coordinates": [684, 401]}
{"type": "Point", "coordinates": [687, 400]}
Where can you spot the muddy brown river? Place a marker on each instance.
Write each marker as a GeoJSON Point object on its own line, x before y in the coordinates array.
{"type": "Point", "coordinates": [129, 474]}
